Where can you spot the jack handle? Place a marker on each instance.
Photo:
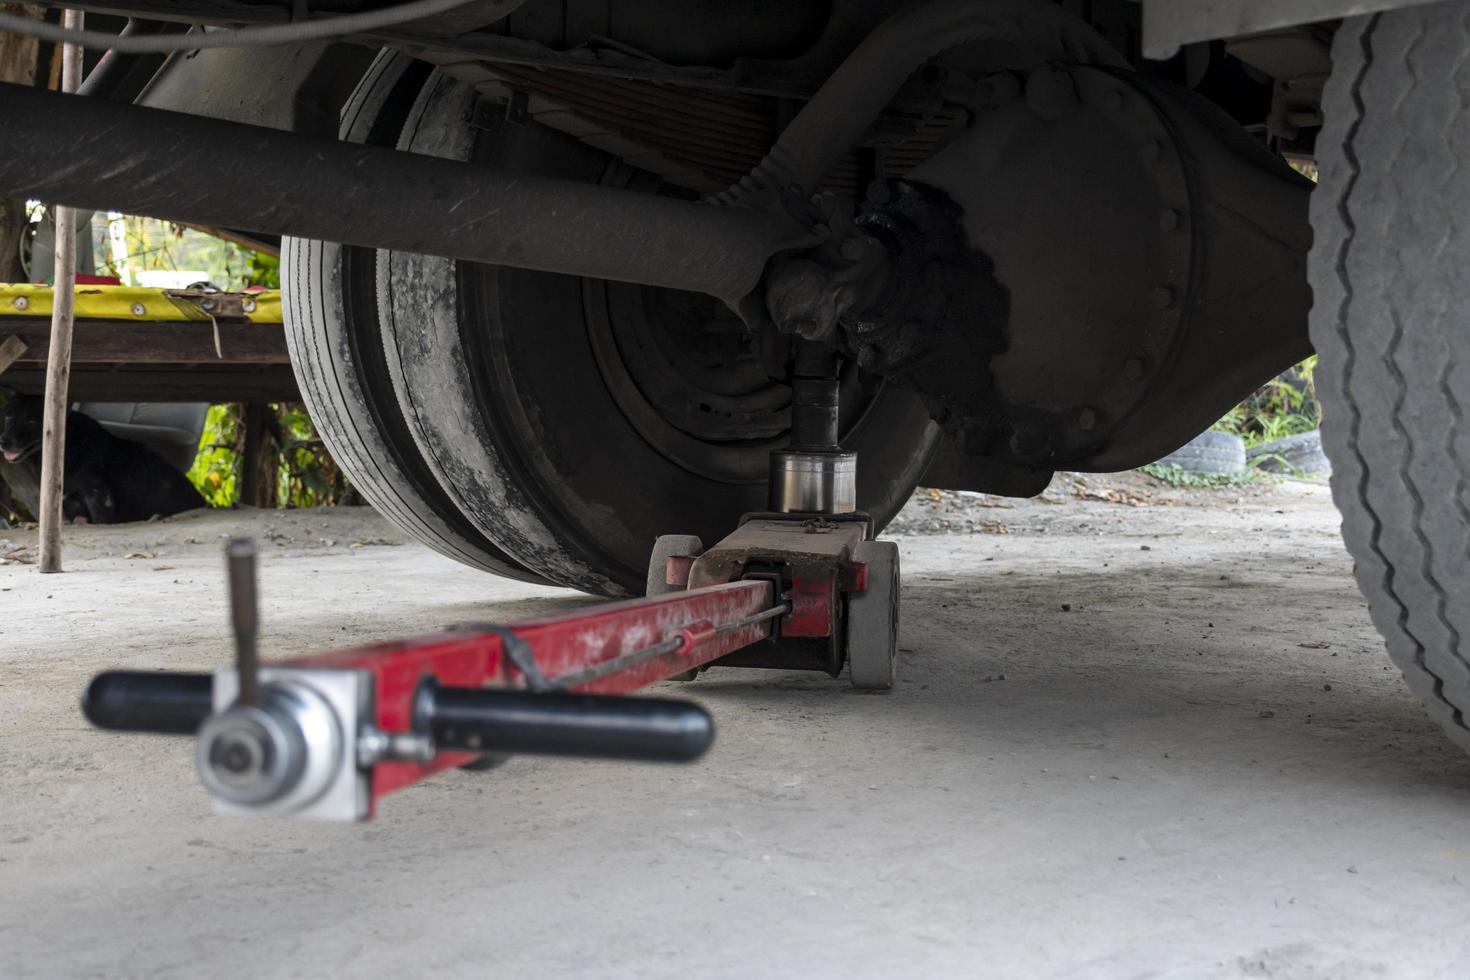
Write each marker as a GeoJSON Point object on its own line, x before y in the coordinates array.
{"type": "Point", "coordinates": [588, 726]}
{"type": "Point", "coordinates": [483, 720]}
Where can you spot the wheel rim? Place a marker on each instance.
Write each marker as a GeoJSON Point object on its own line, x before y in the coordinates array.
{"type": "Point", "coordinates": [691, 377]}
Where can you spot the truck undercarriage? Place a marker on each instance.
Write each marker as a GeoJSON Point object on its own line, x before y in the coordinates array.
{"type": "Point", "coordinates": [556, 273]}
{"type": "Point", "coordinates": [1017, 247]}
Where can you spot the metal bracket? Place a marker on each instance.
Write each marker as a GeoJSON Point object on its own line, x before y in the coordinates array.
{"type": "Point", "coordinates": [347, 695]}
{"type": "Point", "coordinates": [375, 745]}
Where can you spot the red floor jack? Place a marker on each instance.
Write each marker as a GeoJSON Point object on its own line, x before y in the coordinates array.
{"type": "Point", "coordinates": [328, 735]}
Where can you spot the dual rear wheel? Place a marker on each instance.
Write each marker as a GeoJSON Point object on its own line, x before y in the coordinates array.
{"type": "Point", "coordinates": [538, 426]}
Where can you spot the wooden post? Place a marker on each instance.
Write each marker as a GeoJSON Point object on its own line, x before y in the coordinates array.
{"type": "Point", "coordinates": [249, 478]}
{"type": "Point", "coordinates": [58, 359]}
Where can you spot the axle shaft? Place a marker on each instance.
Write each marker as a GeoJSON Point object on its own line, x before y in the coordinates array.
{"type": "Point", "coordinates": [88, 153]}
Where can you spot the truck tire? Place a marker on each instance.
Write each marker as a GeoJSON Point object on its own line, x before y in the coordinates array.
{"type": "Point", "coordinates": [1298, 455]}
{"type": "Point", "coordinates": [333, 337]}
{"type": "Point", "coordinates": [1391, 273]}
{"type": "Point", "coordinates": [538, 426]}
{"type": "Point", "coordinates": [1210, 453]}
{"type": "Point", "coordinates": [570, 420]}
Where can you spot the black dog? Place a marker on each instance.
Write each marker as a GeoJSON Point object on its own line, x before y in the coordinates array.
{"type": "Point", "coordinates": [106, 480]}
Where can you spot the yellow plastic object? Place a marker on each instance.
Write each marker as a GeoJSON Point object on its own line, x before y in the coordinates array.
{"type": "Point", "coordinates": [133, 303]}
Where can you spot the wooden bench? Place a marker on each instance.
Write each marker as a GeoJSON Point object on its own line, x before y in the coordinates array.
{"type": "Point", "coordinates": [152, 345]}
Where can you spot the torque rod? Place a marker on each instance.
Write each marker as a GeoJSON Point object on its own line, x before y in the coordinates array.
{"type": "Point", "coordinates": [94, 154]}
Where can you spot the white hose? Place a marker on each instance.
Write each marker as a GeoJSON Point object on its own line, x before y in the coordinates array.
{"type": "Point", "coordinates": [308, 30]}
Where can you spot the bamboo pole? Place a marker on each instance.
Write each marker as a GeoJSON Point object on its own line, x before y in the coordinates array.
{"type": "Point", "coordinates": [58, 359]}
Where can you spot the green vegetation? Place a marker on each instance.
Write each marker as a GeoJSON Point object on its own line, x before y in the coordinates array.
{"type": "Point", "coordinates": [295, 468]}
{"type": "Point", "coordinates": [1284, 406]}
{"type": "Point", "coordinates": [264, 270]}
{"type": "Point", "coordinates": [216, 469]}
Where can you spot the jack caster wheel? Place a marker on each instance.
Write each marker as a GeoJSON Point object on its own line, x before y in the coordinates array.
{"type": "Point", "coordinates": [668, 546]}
{"type": "Point", "coordinates": [872, 619]}
{"type": "Point", "coordinates": [665, 547]}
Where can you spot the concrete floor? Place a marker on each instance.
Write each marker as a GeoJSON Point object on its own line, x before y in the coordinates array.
{"type": "Point", "coordinates": [1114, 753]}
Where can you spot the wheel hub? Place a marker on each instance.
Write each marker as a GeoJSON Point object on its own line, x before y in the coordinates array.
{"type": "Point", "coordinates": [693, 379]}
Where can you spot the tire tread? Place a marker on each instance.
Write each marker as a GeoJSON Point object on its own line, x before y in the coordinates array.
{"type": "Point", "coordinates": [1388, 269]}
{"type": "Point", "coordinates": [329, 379]}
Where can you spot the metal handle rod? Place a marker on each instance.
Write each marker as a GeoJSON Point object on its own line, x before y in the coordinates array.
{"type": "Point", "coordinates": [244, 619]}
{"type": "Point", "coordinates": [585, 725]}
{"type": "Point", "coordinates": [149, 701]}
{"type": "Point", "coordinates": [672, 645]}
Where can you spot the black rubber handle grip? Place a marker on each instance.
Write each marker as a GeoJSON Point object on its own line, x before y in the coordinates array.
{"type": "Point", "coordinates": [586, 725]}
{"type": "Point", "coordinates": [149, 701]}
